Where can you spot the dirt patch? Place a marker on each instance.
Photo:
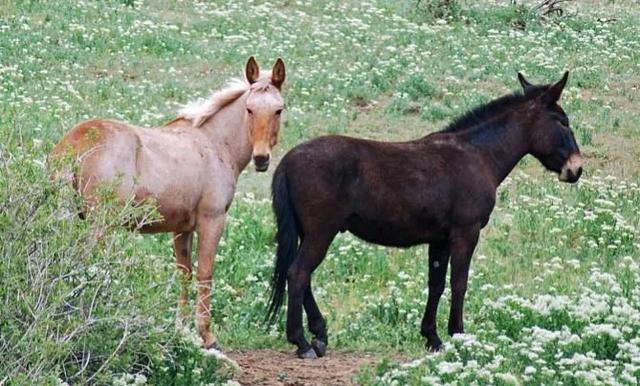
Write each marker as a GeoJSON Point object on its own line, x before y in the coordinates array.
{"type": "Point", "coordinates": [276, 368]}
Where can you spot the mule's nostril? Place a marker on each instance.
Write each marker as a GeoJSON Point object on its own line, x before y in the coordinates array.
{"type": "Point", "coordinates": [572, 176]}
{"type": "Point", "coordinates": [261, 159]}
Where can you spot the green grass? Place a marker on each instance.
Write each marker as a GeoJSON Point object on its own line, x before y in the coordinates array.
{"type": "Point", "coordinates": [377, 69]}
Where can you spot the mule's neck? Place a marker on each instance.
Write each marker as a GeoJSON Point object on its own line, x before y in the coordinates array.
{"type": "Point", "coordinates": [229, 133]}
{"type": "Point", "coordinates": [502, 143]}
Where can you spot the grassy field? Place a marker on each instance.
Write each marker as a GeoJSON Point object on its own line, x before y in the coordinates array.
{"type": "Point", "coordinates": [554, 294]}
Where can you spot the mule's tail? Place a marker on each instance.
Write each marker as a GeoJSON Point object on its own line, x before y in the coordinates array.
{"type": "Point", "coordinates": [286, 237]}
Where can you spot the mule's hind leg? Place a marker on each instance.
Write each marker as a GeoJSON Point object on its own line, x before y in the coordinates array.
{"type": "Point", "coordinates": [438, 261]}
{"type": "Point", "coordinates": [317, 324]}
{"type": "Point", "coordinates": [182, 248]}
{"type": "Point", "coordinates": [310, 255]}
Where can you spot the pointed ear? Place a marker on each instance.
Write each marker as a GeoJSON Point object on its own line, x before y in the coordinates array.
{"type": "Point", "coordinates": [278, 73]}
{"type": "Point", "coordinates": [526, 86]}
{"type": "Point", "coordinates": [252, 70]}
{"type": "Point", "coordinates": [553, 93]}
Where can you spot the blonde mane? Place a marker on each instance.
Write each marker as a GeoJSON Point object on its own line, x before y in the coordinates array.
{"type": "Point", "coordinates": [199, 111]}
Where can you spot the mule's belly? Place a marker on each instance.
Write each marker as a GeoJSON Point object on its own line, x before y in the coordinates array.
{"type": "Point", "coordinates": [393, 234]}
{"type": "Point", "coordinates": [174, 221]}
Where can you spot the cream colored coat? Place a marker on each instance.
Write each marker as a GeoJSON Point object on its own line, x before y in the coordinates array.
{"type": "Point", "coordinates": [189, 166]}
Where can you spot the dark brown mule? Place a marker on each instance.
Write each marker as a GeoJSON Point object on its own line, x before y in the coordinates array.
{"type": "Point", "coordinates": [439, 189]}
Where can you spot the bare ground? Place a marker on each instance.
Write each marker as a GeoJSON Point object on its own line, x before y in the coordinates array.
{"type": "Point", "coordinates": [277, 368]}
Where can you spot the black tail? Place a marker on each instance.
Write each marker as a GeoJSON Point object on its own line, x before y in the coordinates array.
{"type": "Point", "coordinates": [287, 238]}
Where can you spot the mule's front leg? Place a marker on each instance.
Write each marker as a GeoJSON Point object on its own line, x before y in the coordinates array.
{"type": "Point", "coordinates": [209, 232]}
{"type": "Point", "coordinates": [438, 261]}
{"type": "Point", "coordinates": [463, 242]}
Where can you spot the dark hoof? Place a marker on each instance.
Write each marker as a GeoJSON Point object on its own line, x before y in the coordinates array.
{"type": "Point", "coordinates": [319, 347]}
{"type": "Point", "coordinates": [434, 344]}
{"type": "Point", "coordinates": [308, 354]}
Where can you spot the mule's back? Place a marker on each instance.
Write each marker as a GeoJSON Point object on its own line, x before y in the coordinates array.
{"type": "Point", "coordinates": [139, 163]}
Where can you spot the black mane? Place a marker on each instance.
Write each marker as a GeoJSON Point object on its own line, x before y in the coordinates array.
{"type": "Point", "coordinates": [489, 109]}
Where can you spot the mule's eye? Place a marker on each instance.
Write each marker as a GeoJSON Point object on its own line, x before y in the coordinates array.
{"type": "Point", "coordinates": [249, 111]}
{"type": "Point", "coordinates": [279, 112]}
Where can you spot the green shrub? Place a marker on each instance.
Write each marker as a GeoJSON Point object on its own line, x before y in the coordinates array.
{"type": "Point", "coordinates": [78, 301]}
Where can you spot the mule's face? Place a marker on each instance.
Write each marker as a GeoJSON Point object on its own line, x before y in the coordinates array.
{"type": "Point", "coordinates": [555, 145]}
{"type": "Point", "coordinates": [264, 110]}
{"type": "Point", "coordinates": [553, 141]}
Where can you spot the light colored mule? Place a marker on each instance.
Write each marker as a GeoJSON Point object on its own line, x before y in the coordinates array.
{"type": "Point", "coordinates": [189, 166]}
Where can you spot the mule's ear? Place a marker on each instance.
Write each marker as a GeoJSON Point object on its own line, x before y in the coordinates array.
{"type": "Point", "coordinates": [278, 73]}
{"type": "Point", "coordinates": [553, 93]}
{"type": "Point", "coordinates": [526, 86]}
{"type": "Point", "coordinates": [252, 70]}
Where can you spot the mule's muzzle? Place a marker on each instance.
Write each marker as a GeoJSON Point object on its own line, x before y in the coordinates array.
{"type": "Point", "coordinates": [261, 162]}
{"type": "Point", "coordinates": [572, 169]}
{"type": "Point", "coordinates": [572, 176]}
